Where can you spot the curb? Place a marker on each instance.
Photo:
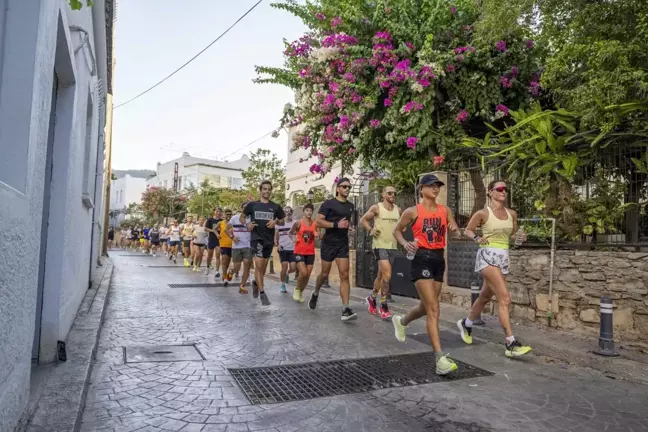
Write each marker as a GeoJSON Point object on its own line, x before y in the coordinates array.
{"type": "Point", "coordinates": [62, 400]}
{"type": "Point", "coordinates": [616, 368]}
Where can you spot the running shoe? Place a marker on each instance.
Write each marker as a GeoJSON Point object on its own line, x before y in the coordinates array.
{"type": "Point", "coordinates": [465, 332]}
{"type": "Point", "coordinates": [255, 289]}
{"type": "Point", "coordinates": [225, 283]}
{"type": "Point", "coordinates": [312, 302]}
{"type": "Point", "coordinates": [175, 260]}
{"type": "Point", "coordinates": [217, 274]}
{"type": "Point", "coordinates": [445, 365]}
{"type": "Point", "coordinates": [242, 290]}
{"type": "Point", "coordinates": [371, 305]}
{"type": "Point", "coordinates": [186, 262]}
{"type": "Point", "coordinates": [229, 276]}
{"type": "Point", "coordinates": [348, 314]}
{"type": "Point", "coordinates": [399, 329]}
{"type": "Point", "coordinates": [516, 349]}
{"type": "Point", "coordinates": [297, 296]}
{"type": "Point", "coordinates": [170, 257]}
{"type": "Point", "coordinates": [283, 288]}
{"type": "Point", "coordinates": [264, 299]}
{"type": "Point", "coordinates": [384, 311]}
{"type": "Point", "coordinates": [207, 271]}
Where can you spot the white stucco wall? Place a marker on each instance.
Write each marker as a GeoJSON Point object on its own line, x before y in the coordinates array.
{"type": "Point", "coordinates": [36, 41]}
{"type": "Point", "coordinates": [126, 190]}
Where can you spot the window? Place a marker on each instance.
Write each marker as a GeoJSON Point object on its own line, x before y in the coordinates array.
{"type": "Point", "coordinates": [88, 176]}
{"type": "Point", "coordinates": [165, 184]}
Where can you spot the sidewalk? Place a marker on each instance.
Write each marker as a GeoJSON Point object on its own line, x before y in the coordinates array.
{"type": "Point", "coordinates": [549, 344]}
{"type": "Point", "coordinates": [156, 308]}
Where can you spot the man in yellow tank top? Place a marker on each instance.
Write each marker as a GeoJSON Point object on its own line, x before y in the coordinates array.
{"type": "Point", "coordinates": [384, 215]}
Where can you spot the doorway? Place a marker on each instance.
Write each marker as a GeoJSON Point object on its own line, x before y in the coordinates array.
{"type": "Point", "coordinates": [49, 159]}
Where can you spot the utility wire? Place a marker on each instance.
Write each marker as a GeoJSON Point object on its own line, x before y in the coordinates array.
{"type": "Point", "coordinates": [250, 144]}
{"type": "Point", "coordinates": [193, 58]}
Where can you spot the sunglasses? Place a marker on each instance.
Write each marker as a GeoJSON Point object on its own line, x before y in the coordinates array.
{"type": "Point", "coordinates": [391, 193]}
{"type": "Point", "coordinates": [345, 186]}
{"type": "Point", "coordinates": [501, 189]}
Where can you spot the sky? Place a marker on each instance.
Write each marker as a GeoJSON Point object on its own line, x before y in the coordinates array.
{"type": "Point", "coordinates": [211, 108]}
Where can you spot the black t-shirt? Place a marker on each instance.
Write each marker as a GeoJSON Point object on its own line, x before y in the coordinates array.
{"type": "Point", "coordinates": [212, 223]}
{"type": "Point", "coordinates": [261, 213]}
{"type": "Point", "coordinates": [154, 235]}
{"type": "Point", "coordinates": [335, 210]}
{"type": "Point", "coordinates": [135, 234]}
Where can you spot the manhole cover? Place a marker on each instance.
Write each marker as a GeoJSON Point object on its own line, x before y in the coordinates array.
{"type": "Point", "coordinates": [161, 353]}
{"type": "Point", "coordinates": [195, 285]}
{"type": "Point", "coordinates": [449, 340]}
{"type": "Point", "coordinates": [266, 385]}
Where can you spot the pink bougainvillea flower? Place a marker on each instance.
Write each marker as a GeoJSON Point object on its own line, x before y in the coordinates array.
{"type": "Point", "coordinates": [529, 44]}
{"type": "Point", "coordinates": [403, 64]}
{"type": "Point", "coordinates": [438, 160]}
{"type": "Point", "coordinates": [453, 9]}
{"type": "Point", "coordinates": [374, 123]}
{"type": "Point", "coordinates": [503, 109]}
{"type": "Point", "coordinates": [462, 116]}
{"type": "Point", "coordinates": [339, 103]}
{"type": "Point", "coordinates": [411, 142]}
{"type": "Point", "coordinates": [534, 88]}
{"type": "Point", "coordinates": [424, 82]}
{"type": "Point", "coordinates": [392, 92]}
{"type": "Point", "coordinates": [506, 82]}
{"type": "Point", "coordinates": [460, 58]}
{"type": "Point", "coordinates": [451, 68]}
{"type": "Point", "coordinates": [412, 106]}
{"type": "Point", "coordinates": [514, 71]}
{"type": "Point", "coordinates": [349, 77]}
{"type": "Point", "coordinates": [351, 150]}
{"type": "Point", "coordinates": [388, 102]}
{"type": "Point", "coordinates": [501, 46]}
{"type": "Point", "coordinates": [336, 21]}
{"type": "Point", "coordinates": [410, 46]}
{"type": "Point", "coordinates": [320, 16]}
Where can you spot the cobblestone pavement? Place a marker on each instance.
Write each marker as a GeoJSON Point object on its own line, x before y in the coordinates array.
{"type": "Point", "coordinates": [232, 330]}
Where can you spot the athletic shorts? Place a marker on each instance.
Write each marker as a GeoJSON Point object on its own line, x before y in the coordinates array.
{"type": "Point", "coordinates": [241, 254]}
{"type": "Point", "coordinates": [155, 243]}
{"type": "Point", "coordinates": [212, 243]}
{"type": "Point", "coordinates": [142, 241]}
{"type": "Point", "coordinates": [286, 256]}
{"type": "Point", "coordinates": [226, 251]}
{"type": "Point", "coordinates": [428, 264]}
{"type": "Point", "coordinates": [200, 245]}
{"type": "Point", "coordinates": [186, 243]}
{"type": "Point", "coordinates": [309, 260]}
{"type": "Point", "coordinates": [168, 241]}
{"type": "Point", "coordinates": [174, 242]}
{"type": "Point", "coordinates": [329, 252]}
{"type": "Point", "coordinates": [382, 254]}
{"type": "Point", "coordinates": [261, 249]}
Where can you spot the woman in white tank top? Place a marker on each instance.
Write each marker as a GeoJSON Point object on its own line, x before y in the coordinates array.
{"type": "Point", "coordinates": [199, 242]}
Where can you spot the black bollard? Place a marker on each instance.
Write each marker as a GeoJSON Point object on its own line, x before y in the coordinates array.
{"type": "Point", "coordinates": [271, 265]}
{"type": "Point", "coordinates": [474, 295]}
{"type": "Point", "coordinates": [606, 338]}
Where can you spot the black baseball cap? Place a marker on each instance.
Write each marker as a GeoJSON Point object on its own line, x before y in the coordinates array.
{"type": "Point", "coordinates": [430, 179]}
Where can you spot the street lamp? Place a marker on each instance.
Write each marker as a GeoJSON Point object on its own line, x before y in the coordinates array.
{"type": "Point", "coordinates": [202, 202]}
{"type": "Point", "coordinates": [310, 195]}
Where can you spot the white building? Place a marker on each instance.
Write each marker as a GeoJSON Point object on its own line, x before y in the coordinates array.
{"type": "Point", "coordinates": [193, 171]}
{"type": "Point", "coordinates": [124, 191]}
{"type": "Point", "coordinates": [299, 179]}
{"type": "Point", "coordinates": [53, 84]}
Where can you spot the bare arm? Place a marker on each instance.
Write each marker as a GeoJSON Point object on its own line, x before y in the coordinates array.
{"type": "Point", "coordinates": [476, 220]}
{"type": "Point", "coordinates": [276, 237]}
{"type": "Point", "coordinates": [320, 222]}
{"type": "Point", "coordinates": [405, 220]}
{"type": "Point", "coordinates": [281, 222]}
{"type": "Point", "coordinates": [229, 229]}
{"type": "Point", "coordinates": [452, 223]}
{"type": "Point", "coordinates": [368, 217]}
{"type": "Point", "coordinates": [295, 228]}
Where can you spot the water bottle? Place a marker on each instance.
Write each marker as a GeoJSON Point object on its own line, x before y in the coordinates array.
{"type": "Point", "coordinates": [411, 255]}
{"type": "Point", "coordinates": [518, 237]}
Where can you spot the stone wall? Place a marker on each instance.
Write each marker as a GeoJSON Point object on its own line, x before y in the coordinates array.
{"type": "Point", "coordinates": [580, 279]}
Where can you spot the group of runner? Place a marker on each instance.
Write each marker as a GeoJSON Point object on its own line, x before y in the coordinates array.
{"type": "Point", "coordinates": [252, 233]}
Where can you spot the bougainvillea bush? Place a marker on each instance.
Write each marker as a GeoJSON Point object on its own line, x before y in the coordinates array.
{"type": "Point", "coordinates": [392, 81]}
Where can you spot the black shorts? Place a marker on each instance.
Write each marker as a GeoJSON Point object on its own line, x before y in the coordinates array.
{"type": "Point", "coordinates": [329, 252]}
{"type": "Point", "coordinates": [155, 242]}
{"type": "Point", "coordinates": [186, 243]}
{"type": "Point", "coordinates": [382, 254]}
{"type": "Point", "coordinates": [286, 256]}
{"type": "Point", "coordinates": [309, 260]}
{"type": "Point", "coordinates": [200, 245]}
{"type": "Point", "coordinates": [261, 249]}
{"type": "Point", "coordinates": [226, 251]}
{"type": "Point", "coordinates": [212, 243]}
{"type": "Point", "coordinates": [428, 264]}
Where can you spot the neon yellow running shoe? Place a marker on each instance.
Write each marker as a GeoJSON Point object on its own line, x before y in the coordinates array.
{"type": "Point", "coordinates": [296, 295]}
{"type": "Point", "coordinates": [445, 365]}
{"type": "Point", "coordinates": [399, 329]}
{"type": "Point", "coordinates": [516, 349]}
{"type": "Point", "coordinates": [186, 262]}
{"type": "Point", "coordinates": [466, 332]}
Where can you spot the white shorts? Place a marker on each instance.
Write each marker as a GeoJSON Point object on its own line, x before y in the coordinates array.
{"type": "Point", "coordinates": [489, 256]}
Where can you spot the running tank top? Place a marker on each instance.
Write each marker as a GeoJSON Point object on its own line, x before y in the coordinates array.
{"type": "Point", "coordinates": [305, 241]}
{"type": "Point", "coordinates": [201, 235]}
{"type": "Point", "coordinates": [498, 232]}
{"type": "Point", "coordinates": [225, 240]}
{"type": "Point", "coordinates": [431, 227]}
{"type": "Point", "coordinates": [385, 222]}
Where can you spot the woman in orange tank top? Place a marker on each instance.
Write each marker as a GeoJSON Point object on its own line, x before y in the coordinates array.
{"type": "Point", "coordinates": [430, 223]}
{"type": "Point", "coordinates": [306, 233]}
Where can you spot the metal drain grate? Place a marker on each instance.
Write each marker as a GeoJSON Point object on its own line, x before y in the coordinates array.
{"type": "Point", "coordinates": [274, 384]}
{"type": "Point", "coordinates": [195, 285]}
{"type": "Point", "coordinates": [449, 340]}
{"type": "Point", "coordinates": [161, 353]}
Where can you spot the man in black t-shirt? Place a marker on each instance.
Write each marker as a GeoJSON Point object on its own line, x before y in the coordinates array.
{"type": "Point", "coordinates": [135, 233]}
{"type": "Point", "coordinates": [335, 216]}
{"type": "Point", "coordinates": [264, 216]}
{"type": "Point", "coordinates": [213, 247]}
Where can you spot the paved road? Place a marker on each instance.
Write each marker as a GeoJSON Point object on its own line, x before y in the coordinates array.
{"type": "Point", "coordinates": [232, 330]}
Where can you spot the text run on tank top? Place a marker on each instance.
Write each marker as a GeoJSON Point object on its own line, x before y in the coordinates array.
{"type": "Point", "coordinates": [498, 232]}
{"type": "Point", "coordinates": [305, 241]}
{"type": "Point", "coordinates": [431, 227]}
{"type": "Point", "coordinates": [385, 222]}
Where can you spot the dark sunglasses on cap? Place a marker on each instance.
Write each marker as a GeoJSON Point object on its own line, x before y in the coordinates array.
{"type": "Point", "coordinates": [345, 186]}
{"type": "Point", "coordinates": [501, 189]}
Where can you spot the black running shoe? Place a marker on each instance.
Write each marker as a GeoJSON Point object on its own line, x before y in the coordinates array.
{"type": "Point", "coordinates": [170, 257]}
{"type": "Point", "coordinates": [217, 274]}
{"type": "Point", "coordinates": [312, 303]}
{"type": "Point", "coordinates": [264, 299]}
{"type": "Point", "coordinates": [255, 289]}
{"type": "Point", "coordinates": [348, 314]}
{"type": "Point", "coordinates": [225, 283]}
